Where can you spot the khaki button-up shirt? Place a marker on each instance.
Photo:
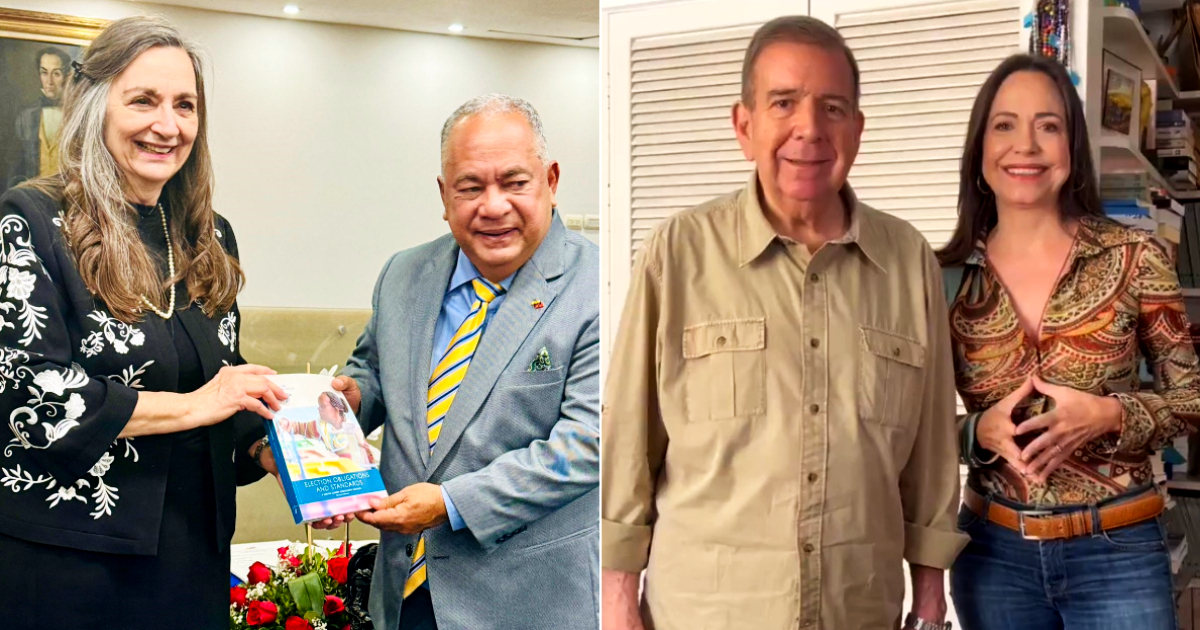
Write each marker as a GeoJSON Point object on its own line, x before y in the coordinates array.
{"type": "Point", "coordinates": [778, 428]}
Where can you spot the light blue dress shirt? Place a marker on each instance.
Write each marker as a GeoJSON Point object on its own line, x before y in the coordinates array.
{"type": "Point", "coordinates": [456, 306]}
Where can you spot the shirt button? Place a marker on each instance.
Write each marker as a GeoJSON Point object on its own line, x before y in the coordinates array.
{"type": "Point", "coordinates": [896, 351]}
{"type": "Point", "coordinates": [813, 477]}
{"type": "Point", "coordinates": [814, 408]}
{"type": "Point", "coordinates": [814, 278]}
{"type": "Point", "coordinates": [809, 548]}
{"type": "Point", "coordinates": [816, 343]}
{"type": "Point", "coordinates": [720, 341]}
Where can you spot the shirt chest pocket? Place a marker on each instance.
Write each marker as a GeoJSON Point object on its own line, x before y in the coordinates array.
{"type": "Point", "coordinates": [725, 369]}
{"type": "Point", "coordinates": [891, 369]}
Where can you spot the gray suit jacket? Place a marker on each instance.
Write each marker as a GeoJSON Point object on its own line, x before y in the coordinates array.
{"type": "Point", "coordinates": [518, 452]}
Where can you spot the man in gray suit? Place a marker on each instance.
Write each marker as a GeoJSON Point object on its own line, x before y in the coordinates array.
{"type": "Point", "coordinates": [482, 361]}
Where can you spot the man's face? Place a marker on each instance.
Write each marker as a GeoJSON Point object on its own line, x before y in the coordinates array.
{"type": "Point", "coordinates": [804, 129]}
{"type": "Point", "coordinates": [53, 75]}
{"type": "Point", "coordinates": [497, 194]}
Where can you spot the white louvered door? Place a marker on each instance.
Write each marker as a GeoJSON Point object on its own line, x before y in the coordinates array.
{"type": "Point", "coordinates": [673, 73]}
{"type": "Point", "coordinates": [922, 65]}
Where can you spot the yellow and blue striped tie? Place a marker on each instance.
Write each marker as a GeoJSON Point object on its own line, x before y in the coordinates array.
{"type": "Point", "coordinates": [443, 386]}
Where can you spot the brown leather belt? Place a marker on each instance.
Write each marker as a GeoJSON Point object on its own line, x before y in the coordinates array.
{"type": "Point", "coordinates": [1043, 525]}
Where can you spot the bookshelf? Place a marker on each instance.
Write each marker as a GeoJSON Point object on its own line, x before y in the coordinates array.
{"type": "Point", "coordinates": [1125, 37]}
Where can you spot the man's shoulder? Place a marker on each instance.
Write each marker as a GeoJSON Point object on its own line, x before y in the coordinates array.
{"type": "Point", "coordinates": [581, 253]}
{"type": "Point", "coordinates": [716, 217]}
{"type": "Point", "coordinates": [899, 235]}
{"type": "Point", "coordinates": [405, 261]}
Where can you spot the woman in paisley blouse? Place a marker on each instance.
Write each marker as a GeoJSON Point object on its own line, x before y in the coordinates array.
{"type": "Point", "coordinates": [1057, 305]}
{"type": "Point", "coordinates": [118, 330]}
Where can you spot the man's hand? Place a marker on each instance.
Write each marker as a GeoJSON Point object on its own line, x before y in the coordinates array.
{"type": "Point", "coordinates": [620, 601]}
{"type": "Point", "coordinates": [411, 511]}
{"type": "Point", "coordinates": [349, 388]}
{"type": "Point", "coordinates": [929, 593]}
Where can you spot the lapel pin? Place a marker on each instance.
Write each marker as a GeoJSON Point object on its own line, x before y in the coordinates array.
{"type": "Point", "coordinates": [537, 305]}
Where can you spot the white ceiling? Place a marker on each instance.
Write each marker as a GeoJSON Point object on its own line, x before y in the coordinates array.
{"type": "Point", "coordinates": [566, 22]}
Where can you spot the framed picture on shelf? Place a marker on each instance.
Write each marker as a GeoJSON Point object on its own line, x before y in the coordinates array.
{"type": "Point", "coordinates": [1122, 97]}
{"type": "Point", "coordinates": [36, 51]}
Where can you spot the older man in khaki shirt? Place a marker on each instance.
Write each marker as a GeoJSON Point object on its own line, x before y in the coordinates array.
{"type": "Point", "coordinates": [778, 423]}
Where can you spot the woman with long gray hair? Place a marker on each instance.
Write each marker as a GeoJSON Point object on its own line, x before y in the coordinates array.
{"type": "Point", "coordinates": [125, 394]}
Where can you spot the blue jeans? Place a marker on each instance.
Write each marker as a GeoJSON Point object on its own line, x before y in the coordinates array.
{"type": "Point", "coordinates": [1114, 580]}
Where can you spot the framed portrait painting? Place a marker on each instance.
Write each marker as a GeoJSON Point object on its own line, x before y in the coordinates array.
{"type": "Point", "coordinates": [36, 52]}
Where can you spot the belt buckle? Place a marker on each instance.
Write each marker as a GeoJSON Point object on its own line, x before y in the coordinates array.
{"type": "Point", "coordinates": [1032, 513]}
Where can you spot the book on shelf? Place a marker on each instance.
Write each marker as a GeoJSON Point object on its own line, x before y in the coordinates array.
{"type": "Point", "coordinates": [1173, 153]}
{"type": "Point", "coordinates": [1186, 163]}
{"type": "Point", "coordinates": [325, 464]}
{"type": "Point", "coordinates": [1174, 133]}
{"type": "Point", "coordinates": [1124, 180]}
{"type": "Point", "coordinates": [1175, 143]}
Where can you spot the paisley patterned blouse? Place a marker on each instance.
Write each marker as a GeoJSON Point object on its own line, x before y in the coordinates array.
{"type": "Point", "coordinates": [1119, 300]}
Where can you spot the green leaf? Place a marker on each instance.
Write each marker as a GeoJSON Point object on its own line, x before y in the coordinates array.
{"type": "Point", "coordinates": [307, 592]}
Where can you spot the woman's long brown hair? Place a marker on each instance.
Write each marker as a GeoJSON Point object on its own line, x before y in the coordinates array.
{"type": "Point", "coordinates": [1079, 196]}
{"type": "Point", "coordinates": [100, 224]}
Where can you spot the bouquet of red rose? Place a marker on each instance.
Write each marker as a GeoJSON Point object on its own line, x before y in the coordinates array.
{"type": "Point", "coordinates": [307, 592]}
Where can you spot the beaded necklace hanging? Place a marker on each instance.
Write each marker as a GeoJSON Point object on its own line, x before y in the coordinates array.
{"type": "Point", "coordinates": [170, 271]}
{"type": "Point", "coordinates": [1051, 31]}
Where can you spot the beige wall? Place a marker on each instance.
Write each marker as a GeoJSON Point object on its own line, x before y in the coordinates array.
{"type": "Point", "coordinates": [325, 137]}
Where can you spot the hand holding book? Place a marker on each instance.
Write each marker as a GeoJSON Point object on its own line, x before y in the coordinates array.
{"type": "Point", "coordinates": [325, 465]}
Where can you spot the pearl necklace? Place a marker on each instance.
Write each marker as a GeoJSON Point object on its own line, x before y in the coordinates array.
{"type": "Point", "coordinates": [170, 268]}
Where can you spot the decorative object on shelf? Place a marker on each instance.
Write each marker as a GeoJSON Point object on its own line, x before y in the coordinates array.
{"type": "Point", "coordinates": [1122, 97]}
{"type": "Point", "coordinates": [1051, 31]}
{"type": "Point", "coordinates": [1188, 51]}
{"type": "Point", "coordinates": [1147, 139]}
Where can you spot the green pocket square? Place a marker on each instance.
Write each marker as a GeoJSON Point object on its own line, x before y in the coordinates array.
{"type": "Point", "coordinates": [541, 363]}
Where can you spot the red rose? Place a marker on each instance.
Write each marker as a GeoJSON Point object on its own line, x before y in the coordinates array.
{"type": "Point", "coordinates": [344, 549]}
{"type": "Point", "coordinates": [333, 605]}
{"type": "Point", "coordinates": [294, 561]}
{"type": "Point", "coordinates": [261, 613]}
{"type": "Point", "coordinates": [237, 596]}
{"type": "Point", "coordinates": [347, 627]}
{"type": "Point", "coordinates": [283, 552]}
{"type": "Point", "coordinates": [259, 573]}
{"type": "Point", "coordinates": [337, 569]}
{"type": "Point", "coordinates": [296, 623]}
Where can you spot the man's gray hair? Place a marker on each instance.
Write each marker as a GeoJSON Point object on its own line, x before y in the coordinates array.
{"type": "Point", "coordinates": [795, 29]}
{"type": "Point", "coordinates": [496, 104]}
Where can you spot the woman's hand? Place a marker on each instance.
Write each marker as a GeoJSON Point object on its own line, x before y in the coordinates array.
{"type": "Point", "coordinates": [1077, 418]}
{"type": "Point", "coordinates": [995, 430]}
{"type": "Point", "coordinates": [234, 389]}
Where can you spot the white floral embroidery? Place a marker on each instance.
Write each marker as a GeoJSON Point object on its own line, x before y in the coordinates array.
{"type": "Point", "coordinates": [14, 477]}
{"type": "Point", "coordinates": [8, 371]}
{"type": "Point", "coordinates": [218, 233]}
{"type": "Point", "coordinates": [130, 378]}
{"type": "Point", "coordinates": [65, 493]}
{"type": "Point", "coordinates": [47, 382]}
{"type": "Point", "coordinates": [16, 258]}
{"type": "Point", "coordinates": [105, 495]}
{"type": "Point", "coordinates": [117, 332]}
{"type": "Point", "coordinates": [227, 331]}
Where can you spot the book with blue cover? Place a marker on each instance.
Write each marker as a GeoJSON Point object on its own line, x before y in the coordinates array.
{"type": "Point", "coordinates": [325, 463]}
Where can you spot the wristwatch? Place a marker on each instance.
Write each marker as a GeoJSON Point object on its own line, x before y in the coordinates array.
{"type": "Point", "coordinates": [913, 622]}
{"type": "Point", "coordinates": [258, 449]}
